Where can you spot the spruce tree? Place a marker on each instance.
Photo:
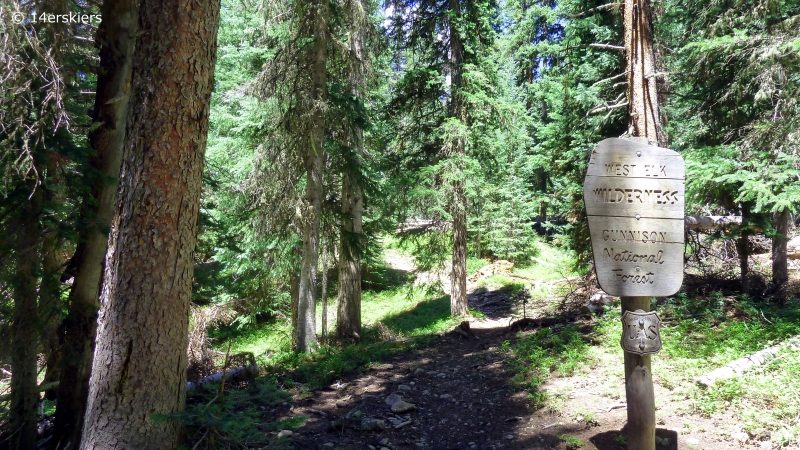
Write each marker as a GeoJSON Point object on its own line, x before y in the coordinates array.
{"type": "Point", "coordinates": [139, 366]}
{"type": "Point", "coordinates": [443, 140]}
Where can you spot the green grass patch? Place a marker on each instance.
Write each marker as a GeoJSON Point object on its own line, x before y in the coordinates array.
{"type": "Point", "coordinates": [226, 419]}
{"type": "Point", "coordinates": [500, 281]}
{"type": "Point", "coordinates": [473, 264]}
{"type": "Point", "coordinates": [387, 313]}
{"type": "Point", "coordinates": [765, 399]}
{"type": "Point", "coordinates": [558, 349]}
{"type": "Point", "coordinates": [700, 338]}
{"type": "Point", "coordinates": [551, 263]}
{"type": "Point", "coordinates": [426, 317]}
{"type": "Point", "coordinates": [260, 340]}
{"type": "Point", "coordinates": [380, 278]}
{"type": "Point", "coordinates": [396, 312]}
{"type": "Point", "coordinates": [571, 442]}
{"type": "Point", "coordinates": [330, 364]}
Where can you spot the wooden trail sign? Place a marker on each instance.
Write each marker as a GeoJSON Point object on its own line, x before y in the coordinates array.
{"type": "Point", "coordinates": [634, 195]}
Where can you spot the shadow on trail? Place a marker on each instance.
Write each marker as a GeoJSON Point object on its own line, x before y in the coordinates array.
{"type": "Point", "coordinates": [610, 440]}
{"type": "Point", "coordinates": [462, 392]}
{"type": "Point", "coordinates": [493, 304]}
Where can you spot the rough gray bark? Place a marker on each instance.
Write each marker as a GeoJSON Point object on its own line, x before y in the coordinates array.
{"type": "Point", "coordinates": [324, 294]}
{"type": "Point", "coordinates": [49, 298]}
{"type": "Point", "coordinates": [542, 175]}
{"type": "Point", "coordinates": [643, 113]}
{"type": "Point", "coordinates": [743, 248]}
{"type": "Point", "coordinates": [116, 37]}
{"type": "Point", "coordinates": [348, 314]}
{"type": "Point", "coordinates": [458, 292]}
{"type": "Point", "coordinates": [139, 366]}
{"type": "Point", "coordinates": [294, 286]}
{"type": "Point", "coordinates": [305, 332]}
{"type": "Point", "coordinates": [780, 261]}
{"type": "Point", "coordinates": [24, 338]}
{"type": "Point", "coordinates": [348, 317]}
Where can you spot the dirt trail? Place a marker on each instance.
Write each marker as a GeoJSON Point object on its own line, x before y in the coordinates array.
{"type": "Point", "coordinates": [464, 397]}
{"type": "Point", "coordinates": [399, 261]}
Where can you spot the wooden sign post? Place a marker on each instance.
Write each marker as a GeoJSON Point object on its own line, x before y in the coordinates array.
{"type": "Point", "coordinates": [634, 195]}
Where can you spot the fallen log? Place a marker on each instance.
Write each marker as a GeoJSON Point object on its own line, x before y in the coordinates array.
{"type": "Point", "coordinates": [705, 223]}
{"type": "Point", "coordinates": [539, 323]}
{"type": "Point", "coordinates": [736, 368]}
{"type": "Point", "coordinates": [420, 225]}
{"type": "Point", "coordinates": [42, 387]}
{"type": "Point", "coordinates": [248, 371]}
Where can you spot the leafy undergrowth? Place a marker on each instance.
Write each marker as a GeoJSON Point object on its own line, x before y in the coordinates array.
{"type": "Point", "coordinates": [764, 400]}
{"type": "Point", "coordinates": [560, 349]}
{"type": "Point", "coordinates": [700, 334]}
{"type": "Point", "coordinates": [233, 418]}
{"type": "Point", "coordinates": [388, 317]}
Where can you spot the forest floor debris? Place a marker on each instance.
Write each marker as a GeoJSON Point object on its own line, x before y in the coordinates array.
{"type": "Point", "coordinates": [554, 381]}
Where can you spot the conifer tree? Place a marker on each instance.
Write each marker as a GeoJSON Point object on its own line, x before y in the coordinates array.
{"type": "Point", "coordinates": [33, 123]}
{"type": "Point", "coordinates": [116, 35]}
{"type": "Point", "coordinates": [355, 71]}
{"type": "Point", "coordinates": [139, 367]}
{"type": "Point", "coordinates": [297, 80]}
{"type": "Point", "coordinates": [741, 104]}
{"type": "Point", "coordinates": [567, 58]}
{"type": "Point", "coordinates": [442, 140]}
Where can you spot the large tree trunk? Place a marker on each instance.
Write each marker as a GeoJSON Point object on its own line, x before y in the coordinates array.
{"type": "Point", "coordinates": [458, 207]}
{"type": "Point", "coordinates": [458, 292]}
{"type": "Point", "coordinates": [50, 306]}
{"type": "Point", "coordinates": [306, 339]}
{"type": "Point", "coordinates": [324, 293]}
{"type": "Point", "coordinates": [780, 262]}
{"type": "Point", "coordinates": [643, 124]}
{"type": "Point", "coordinates": [116, 36]}
{"type": "Point", "coordinates": [348, 317]}
{"type": "Point", "coordinates": [643, 113]}
{"type": "Point", "coordinates": [24, 338]}
{"type": "Point", "coordinates": [743, 247]}
{"type": "Point", "coordinates": [50, 290]}
{"type": "Point", "coordinates": [294, 294]}
{"type": "Point", "coordinates": [139, 366]}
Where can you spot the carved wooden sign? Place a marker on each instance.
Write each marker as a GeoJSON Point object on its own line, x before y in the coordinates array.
{"type": "Point", "coordinates": [641, 332]}
{"type": "Point", "coordinates": [634, 195]}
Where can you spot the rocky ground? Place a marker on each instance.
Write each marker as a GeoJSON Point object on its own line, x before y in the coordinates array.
{"type": "Point", "coordinates": [457, 392]}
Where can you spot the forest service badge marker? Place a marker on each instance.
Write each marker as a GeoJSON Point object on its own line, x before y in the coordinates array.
{"type": "Point", "coordinates": [641, 332]}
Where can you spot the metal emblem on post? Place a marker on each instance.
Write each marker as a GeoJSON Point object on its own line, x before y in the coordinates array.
{"type": "Point", "coordinates": [641, 334]}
